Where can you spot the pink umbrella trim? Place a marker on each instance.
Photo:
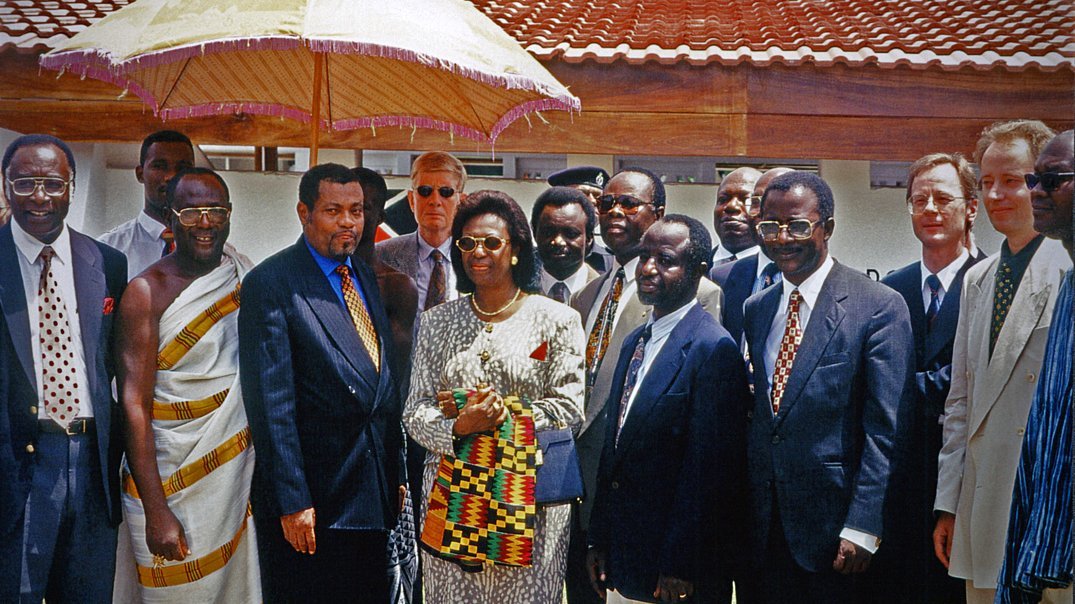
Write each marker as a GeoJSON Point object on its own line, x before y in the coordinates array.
{"type": "Point", "coordinates": [77, 60]}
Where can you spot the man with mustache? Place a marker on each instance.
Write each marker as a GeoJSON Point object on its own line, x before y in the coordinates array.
{"type": "Point", "coordinates": [323, 406]}
{"type": "Point", "coordinates": [147, 238]}
{"type": "Point", "coordinates": [731, 216]}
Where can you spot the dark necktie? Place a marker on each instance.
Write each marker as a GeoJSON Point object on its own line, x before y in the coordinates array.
{"type": "Point", "coordinates": [631, 380]}
{"type": "Point", "coordinates": [60, 389]}
{"type": "Point", "coordinates": [597, 343]}
{"type": "Point", "coordinates": [934, 300]}
{"type": "Point", "coordinates": [789, 345]}
{"type": "Point", "coordinates": [559, 292]}
{"type": "Point", "coordinates": [438, 287]}
{"type": "Point", "coordinates": [169, 242]}
{"type": "Point", "coordinates": [1002, 302]}
{"type": "Point", "coordinates": [360, 316]}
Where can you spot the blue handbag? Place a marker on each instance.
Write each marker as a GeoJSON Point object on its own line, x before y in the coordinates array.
{"type": "Point", "coordinates": [559, 477]}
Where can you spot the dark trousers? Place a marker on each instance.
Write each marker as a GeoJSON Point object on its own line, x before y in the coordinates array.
{"type": "Point", "coordinates": [579, 590]}
{"type": "Point", "coordinates": [784, 581]}
{"type": "Point", "coordinates": [69, 543]}
{"type": "Point", "coordinates": [349, 566]}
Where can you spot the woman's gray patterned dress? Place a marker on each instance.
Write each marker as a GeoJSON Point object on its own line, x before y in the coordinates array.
{"type": "Point", "coordinates": [449, 355]}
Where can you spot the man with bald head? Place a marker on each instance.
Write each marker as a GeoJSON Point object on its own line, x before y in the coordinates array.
{"type": "Point", "coordinates": [1037, 558]}
{"type": "Point", "coordinates": [731, 218]}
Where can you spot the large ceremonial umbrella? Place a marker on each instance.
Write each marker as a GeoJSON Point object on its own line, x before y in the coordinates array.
{"type": "Point", "coordinates": [337, 64]}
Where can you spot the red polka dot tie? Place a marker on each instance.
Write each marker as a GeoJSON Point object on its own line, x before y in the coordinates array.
{"type": "Point", "coordinates": [59, 383]}
{"type": "Point", "coordinates": [789, 344]}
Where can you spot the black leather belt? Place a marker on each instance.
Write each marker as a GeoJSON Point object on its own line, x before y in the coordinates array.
{"type": "Point", "coordinates": [77, 426]}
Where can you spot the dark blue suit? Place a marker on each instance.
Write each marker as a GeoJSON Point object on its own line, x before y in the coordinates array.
{"type": "Point", "coordinates": [907, 562]}
{"type": "Point", "coordinates": [825, 461]}
{"type": "Point", "coordinates": [100, 273]}
{"type": "Point", "coordinates": [670, 498]}
{"type": "Point", "coordinates": [737, 280]}
{"type": "Point", "coordinates": [325, 424]}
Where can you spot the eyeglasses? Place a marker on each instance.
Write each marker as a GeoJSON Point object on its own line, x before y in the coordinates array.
{"type": "Point", "coordinates": [469, 244]}
{"type": "Point", "coordinates": [52, 186]}
{"type": "Point", "coordinates": [192, 216]}
{"type": "Point", "coordinates": [1049, 181]}
{"type": "Point", "coordinates": [917, 204]}
{"type": "Point", "coordinates": [769, 230]}
{"type": "Point", "coordinates": [628, 205]}
{"type": "Point", "coordinates": [426, 191]}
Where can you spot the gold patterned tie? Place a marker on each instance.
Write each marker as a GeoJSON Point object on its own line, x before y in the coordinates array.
{"type": "Point", "coordinates": [59, 382]}
{"type": "Point", "coordinates": [360, 316]}
{"type": "Point", "coordinates": [1002, 302]}
{"type": "Point", "coordinates": [789, 345]}
{"type": "Point", "coordinates": [597, 343]}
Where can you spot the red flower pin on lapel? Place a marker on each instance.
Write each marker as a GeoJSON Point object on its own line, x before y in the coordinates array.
{"type": "Point", "coordinates": [541, 353]}
{"type": "Point", "coordinates": [109, 303]}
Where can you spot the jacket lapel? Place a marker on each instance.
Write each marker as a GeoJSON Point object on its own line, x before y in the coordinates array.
{"type": "Point", "coordinates": [13, 301]}
{"type": "Point", "coordinates": [758, 333]}
{"type": "Point", "coordinates": [944, 326]}
{"type": "Point", "coordinates": [90, 289]}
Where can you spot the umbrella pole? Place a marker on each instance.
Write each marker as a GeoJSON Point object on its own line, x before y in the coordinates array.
{"type": "Point", "coordinates": [315, 112]}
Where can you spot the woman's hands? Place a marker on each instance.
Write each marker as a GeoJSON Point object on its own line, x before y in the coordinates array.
{"type": "Point", "coordinates": [483, 412]}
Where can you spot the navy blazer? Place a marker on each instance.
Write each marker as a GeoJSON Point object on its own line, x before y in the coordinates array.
{"type": "Point", "coordinates": [670, 498]}
{"type": "Point", "coordinates": [325, 422]}
{"type": "Point", "coordinates": [828, 456]}
{"type": "Point", "coordinates": [100, 274]}
{"type": "Point", "coordinates": [737, 280]}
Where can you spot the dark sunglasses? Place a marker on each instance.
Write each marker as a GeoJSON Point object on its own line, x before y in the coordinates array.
{"type": "Point", "coordinates": [628, 205]}
{"type": "Point", "coordinates": [1049, 180]}
{"type": "Point", "coordinates": [469, 244]}
{"type": "Point", "coordinates": [426, 191]}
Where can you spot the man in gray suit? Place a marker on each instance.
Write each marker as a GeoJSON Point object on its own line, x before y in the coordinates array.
{"type": "Point", "coordinates": [632, 201]}
{"type": "Point", "coordinates": [437, 181]}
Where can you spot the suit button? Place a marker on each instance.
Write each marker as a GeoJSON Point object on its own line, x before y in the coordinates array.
{"type": "Point", "coordinates": [1030, 377]}
{"type": "Point", "coordinates": [30, 448]}
{"type": "Point", "coordinates": [615, 485]}
{"type": "Point", "coordinates": [351, 389]}
{"type": "Point", "coordinates": [33, 409]}
{"type": "Point", "coordinates": [776, 439]}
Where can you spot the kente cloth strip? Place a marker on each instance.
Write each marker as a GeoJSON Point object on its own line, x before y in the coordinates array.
{"type": "Point", "coordinates": [204, 455]}
{"type": "Point", "coordinates": [482, 508]}
{"type": "Point", "coordinates": [1038, 551]}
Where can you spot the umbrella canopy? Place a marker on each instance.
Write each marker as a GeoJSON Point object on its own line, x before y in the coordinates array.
{"type": "Point", "coordinates": [338, 64]}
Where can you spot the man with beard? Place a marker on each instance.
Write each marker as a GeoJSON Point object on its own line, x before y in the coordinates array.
{"type": "Point", "coordinates": [563, 221]}
{"type": "Point", "coordinates": [731, 216]}
{"type": "Point", "coordinates": [323, 407]}
{"type": "Point", "coordinates": [147, 238]}
{"type": "Point", "coordinates": [674, 452]}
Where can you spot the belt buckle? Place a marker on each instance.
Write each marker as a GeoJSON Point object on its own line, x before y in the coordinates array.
{"type": "Point", "coordinates": [71, 429]}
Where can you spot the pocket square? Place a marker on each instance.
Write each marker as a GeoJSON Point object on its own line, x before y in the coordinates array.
{"type": "Point", "coordinates": [541, 353]}
{"type": "Point", "coordinates": [109, 305]}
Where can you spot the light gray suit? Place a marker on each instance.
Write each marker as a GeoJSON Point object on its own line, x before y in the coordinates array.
{"type": "Point", "coordinates": [591, 438]}
{"type": "Point", "coordinates": [987, 406]}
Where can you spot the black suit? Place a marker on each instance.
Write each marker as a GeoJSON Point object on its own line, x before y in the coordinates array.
{"type": "Point", "coordinates": [737, 280]}
{"type": "Point", "coordinates": [670, 497]}
{"type": "Point", "coordinates": [907, 563]}
{"type": "Point", "coordinates": [325, 424]}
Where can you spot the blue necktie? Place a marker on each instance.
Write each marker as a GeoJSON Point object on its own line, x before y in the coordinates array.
{"type": "Point", "coordinates": [632, 378]}
{"type": "Point", "coordinates": [934, 300]}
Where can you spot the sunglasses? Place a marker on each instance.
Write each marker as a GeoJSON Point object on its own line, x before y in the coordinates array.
{"type": "Point", "coordinates": [192, 216]}
{"type": "Point", "coordinates": [1049, 181]}
{"type": "Point", "coordinates": [52, 186]}
{"type": "Point", "coordinates": [426, 191]}
{"type": "Point", "coordinates": [769, 230]}
{"type": "Point", "coordinates": [469, 244]}
{"type": "Point", "coordinates": [628, 205]}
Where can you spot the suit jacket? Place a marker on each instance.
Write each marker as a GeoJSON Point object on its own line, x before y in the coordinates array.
{"type": "Point", "coordinates": [400, 253]}
{"type": "Point", "coordinates": [325, 422]}
{"type": "Point", "coordinates": [737, 280]}
{"type": "Point", "coordinates": [827, 457]}
{"type": "Point", "coordinates": [591, 438]}
{"type": "Point", "coordinates": [670, 498]}
{"type": "Point", "coordinates": [100, 274]}
{"type": "Point", "coordinates": [987, 407]}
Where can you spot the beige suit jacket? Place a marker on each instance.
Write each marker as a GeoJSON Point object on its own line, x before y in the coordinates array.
{"type": "Point", "coordinates": [987, 407]}
{"type": "Point", "coordinates": [591, 438]}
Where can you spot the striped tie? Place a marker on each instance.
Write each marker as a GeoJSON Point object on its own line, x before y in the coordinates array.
{"type": "Point", "coordinates": [437, 291]}
{"type": "Point", "coordinates": [360, 316]}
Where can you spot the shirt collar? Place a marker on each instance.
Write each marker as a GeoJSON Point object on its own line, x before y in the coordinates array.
{"type": "Point", "coordinates": [763, 261]}
{"type": "Point", "coordinates": [149, 225]}
{"type": "Point", "coordinates": [424, 249]}
{"type": "Point", "coordinates": [811, 287]}
{"type": "Point", "coordinates": [948, 273]}
{"type": "Point", "coordinates": [575, 282]}
{"type": "Point", "coordinates": [327, 265]}
{"type": "Point", "coordinates": [628, 269]}
{"type": "Point", "coordinates": [663, 326]}
{"type": "Point", "coordinates": [30, 247]}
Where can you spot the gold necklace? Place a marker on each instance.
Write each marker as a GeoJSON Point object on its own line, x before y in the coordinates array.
{"type": "Point", "coordinates": [478, 309]}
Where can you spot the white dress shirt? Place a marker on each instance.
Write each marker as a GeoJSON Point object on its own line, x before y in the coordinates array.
{"type": "Point", "coordinates": [140, 240]}
{"type": "Point", "coordinates": [574, 283]}
{"type": "Point", "coordinates": [30, 266]}
{"type": "Point", "coordinates": [722, 252]}
{"type": "Point", "coordinates": [659, 332]}
{"type": "Point", "coordinates": [945, 275]}
{"type": "Point", "coordinates": [425, 269]}
{"type": "Point", "coordinates": [629, 288]}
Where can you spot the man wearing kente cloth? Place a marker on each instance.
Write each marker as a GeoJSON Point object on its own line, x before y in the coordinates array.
{"type": "Point", "coordinates": [188, 535]}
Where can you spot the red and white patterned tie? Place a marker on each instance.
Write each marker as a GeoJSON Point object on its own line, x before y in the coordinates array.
{"type": "Point", "coordinates": [789, 344]}
{"type": "Point", "coordinates": [59, 382]}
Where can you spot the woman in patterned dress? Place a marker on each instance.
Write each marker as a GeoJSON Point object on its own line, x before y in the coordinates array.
{"type": "Point", "coordinates": [512, 343]}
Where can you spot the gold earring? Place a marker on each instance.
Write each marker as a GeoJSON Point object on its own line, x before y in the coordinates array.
{"type": "Point", "coordinates": [514, 260]}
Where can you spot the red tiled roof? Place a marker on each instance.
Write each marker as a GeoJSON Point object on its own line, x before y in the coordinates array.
{"type": "Point", "coordinates": [951, 34]}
